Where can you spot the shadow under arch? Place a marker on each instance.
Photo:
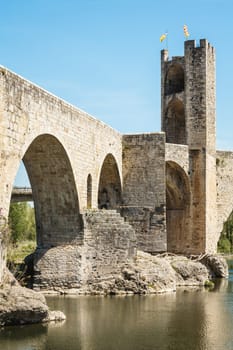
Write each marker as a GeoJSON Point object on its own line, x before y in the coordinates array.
{"type": "Point", "coordinates": [58, 219]}
{"type": "Point", "coordinates": [177, 208]}
{"type": "Point", "coordinates": [175, 124]}
{"type": "Point", "coordinates": [174, 81]}
{"type": "Point", "coordinates": [109, 190]}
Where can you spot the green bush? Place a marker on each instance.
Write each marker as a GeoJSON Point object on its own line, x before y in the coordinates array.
{"type": "Point", "coordinates": [224, 245]}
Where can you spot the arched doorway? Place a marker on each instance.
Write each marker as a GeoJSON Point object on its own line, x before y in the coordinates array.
{"type": "Point", "coordinates": [175, 122]}
{"type": "Point", "coordinates": [54, 192]}
{"type": "Point", "coordinates": [109, 193]}
{"type": "Point", "coordinates": [177, 208]}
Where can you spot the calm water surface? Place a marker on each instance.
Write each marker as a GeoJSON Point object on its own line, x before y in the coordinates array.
{"type": "Point", "coordinates": [183, 320]}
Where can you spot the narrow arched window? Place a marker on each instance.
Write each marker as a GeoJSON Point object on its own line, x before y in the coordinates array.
{"type": "Point", "coordinates": [89, 191]}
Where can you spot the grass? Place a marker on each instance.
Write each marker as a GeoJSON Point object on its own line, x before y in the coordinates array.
{"type": "Point", "coordinates": [16, 253]}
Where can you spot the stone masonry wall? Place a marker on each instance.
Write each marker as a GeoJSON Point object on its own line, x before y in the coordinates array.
{"type": "Point", "coordinates": [178, 154]}
{"type": "Point", "coordinates": [27, 111]}
{"type": "Point", "coordinates": [144, 189]}
{"type": "Point", "coordinates": [75, 141]}
{"type": "Point", "coordinates": [224, 168]}
{"type": "Point", "coordinates": [109, 243]}
{"type": "Point", "coordinates": [200, 118]}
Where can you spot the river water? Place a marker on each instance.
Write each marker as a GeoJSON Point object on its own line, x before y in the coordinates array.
{"type": "Point", "coordinates": [189, 320]}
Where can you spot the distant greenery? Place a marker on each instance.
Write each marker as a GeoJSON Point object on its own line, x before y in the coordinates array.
{"type": "Point", "coordinates": [22, 222]}
{"type": "Point", "coordinates": [225, 243]}
{"type": "Point", "coordinates": [22, 232]}
{"type": "Point", "coordinates": [17, 253]}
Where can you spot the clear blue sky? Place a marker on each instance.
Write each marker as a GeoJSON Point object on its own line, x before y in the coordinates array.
{"type": "Point", "coordinates": [104, 55]}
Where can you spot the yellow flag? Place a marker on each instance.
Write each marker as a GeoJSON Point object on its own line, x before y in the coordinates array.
{"type": "Point", "coordinates": [163, 37]}
{"type": "Point", "coordinates": [186, 33]}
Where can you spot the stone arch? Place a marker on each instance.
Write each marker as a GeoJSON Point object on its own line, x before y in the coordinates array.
{"type": "Point", "coordinates": [175, 122]}
{"type": "Point", "coordinates": [56, 203]}
{"type": "Point", "coordinates": [174, 82]}
{"type": "Point", "coordinates": [89, 191]}
{"type": "Point", "coordinates": [109, 191]}
{"type": "Point", "coordinates": [177, 208]}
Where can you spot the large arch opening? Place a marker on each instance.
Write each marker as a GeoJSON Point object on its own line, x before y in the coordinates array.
{"type": "Point", "coordinates": [174, 82]}
{"type": "Point", "coordinates": [54, 192]}
{"type": "Point", "coordinates": [109, 192]}
{"type": "Point", "coordinates": [175, 122]}
{"type": "Point", "coordinates": [22, 228]}
{"type": "Point", "coordinates": [177, 208]}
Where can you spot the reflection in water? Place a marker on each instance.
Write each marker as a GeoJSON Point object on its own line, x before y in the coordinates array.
{"type": "Point", "coordinates": [28, 337]}
{"type": "Point", "coordinates": [196, 320]}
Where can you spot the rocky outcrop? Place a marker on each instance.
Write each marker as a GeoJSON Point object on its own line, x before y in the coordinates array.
{"type": "Point", "coordinates": [148, 274]}
{"type": "Point", "coordinates": [144, 274]}
{"type": "Point", "coordinates": [19, 305]}
{"type": "Point", "coordinates": [216, 264]}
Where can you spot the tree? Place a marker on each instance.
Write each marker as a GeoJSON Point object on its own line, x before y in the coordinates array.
{"type": "Point", "coordinates": [225, 243]}
{"type": "Point", "coordinates": [22, 222]}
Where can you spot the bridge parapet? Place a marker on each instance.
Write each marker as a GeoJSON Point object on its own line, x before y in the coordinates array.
{"type": "Point", "coordinates": [21, 194]}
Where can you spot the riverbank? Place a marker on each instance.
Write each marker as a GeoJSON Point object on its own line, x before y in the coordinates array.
{"type": "Point", "coordinates": [20, 305]}
{"type": "Point", "coordinates": [146, 274]}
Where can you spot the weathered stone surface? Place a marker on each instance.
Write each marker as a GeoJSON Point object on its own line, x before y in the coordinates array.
{"type": "Point", "coordinates": [109, 242]}
{"type": "Point", "coordinates": [166, 193]}
{"type": "Point", "coordinates": [148, 274]}
{"type": "Point", "coordinates": [55, 316]}
{"type": "Point", "coordinates": [188, 118]}
{"type": "Point", "coordinates": [217, 265]}
{"type": "Point", "coordinates": [188, 272]}
{"type": "Point", "coordinates": [224, 172]}
{"type": "Point", "coordinates": [19, 305]}
{"type": "Point", "coordinates": [144, 195]}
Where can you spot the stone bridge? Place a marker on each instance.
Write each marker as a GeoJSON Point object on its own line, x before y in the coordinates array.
{"type": "Point", "coordinates": [99, 195]}
{"type": "Point", "coordinates": [75, 166]}
{"type": "Point", "coordinates": [21, 194]}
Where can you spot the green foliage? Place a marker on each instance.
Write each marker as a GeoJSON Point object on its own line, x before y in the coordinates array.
{"type": "Point", "coordinates": [22, 222]}
{"type": "Point", "coordinates": [17, 253]}
{"type": "Point", "coordinates": [209, 284]}
{"type": "Point", "coordinates": [225, 243]}
{"type": "Point", "coordinates": [22, 238]}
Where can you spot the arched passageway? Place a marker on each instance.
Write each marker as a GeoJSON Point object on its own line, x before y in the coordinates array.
{"type": "Point", "coordinates": [109, 192]}
{"type": "Point", "coordinates": [54, 192]}
{"type": "Point", "coordinates": [177, 208]}
{"type": "Point", "coordinates": [175, 122]}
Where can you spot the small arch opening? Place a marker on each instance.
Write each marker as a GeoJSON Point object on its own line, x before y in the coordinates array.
{"type": "Point", "coordinates": [109, 193]}
{"type": "Point", "coordinates": [89, 192]}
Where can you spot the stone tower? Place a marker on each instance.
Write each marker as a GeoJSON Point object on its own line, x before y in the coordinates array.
{"type": "Point", "coordinates": [188, 118]}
